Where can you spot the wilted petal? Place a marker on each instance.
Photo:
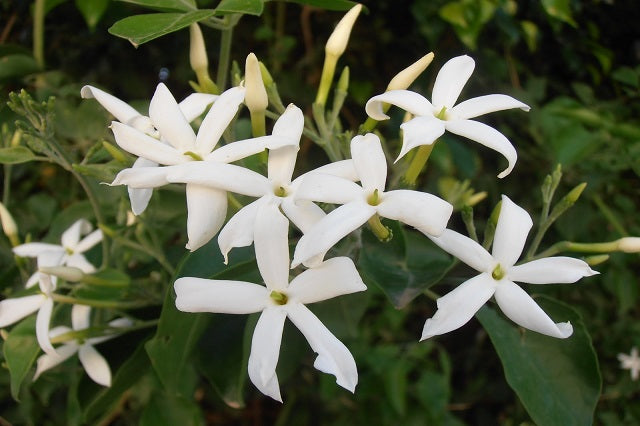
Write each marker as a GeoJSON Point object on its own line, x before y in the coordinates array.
{"type": "Point", "coordinates": [142, 177]}
{"type": "Point", "coordinates": [140, 197]}
{"type": "Point", "coordinates": [221, 176]}
{"type": "Point", "coordinates": [95, 365]}
{"type": "Point", "coordinates": [521, 309]}
{"type": "Point", "coordinates": [303, 214]}
{"type": "Point", "coordinates": [238, 232]}
{"type": "Point", "coordinates": [425, 212]}
{"type": "Point", "coordinates": [332, 278]}
{"type": "Point", "coordinates": [219, 296]}
{"type": "Point", "coordinates": [333, 356]}
{"type": "Point", "coordinates": [36, 249]}
{"type": "Point", "coordinates": [13, 310]}
{"type": "Point", "coordinates": [142, 145]}
{"type": "Point", "coordinates": [465, 249]}
{"type": "Point", "coordinates": [169, 120]}
{"type": "Point", "coordinates": [458, 306]}
{"type": "Point", "coordinates": [450, 80]}
{"type": "Point", "coordinates": [48, 361]}
{"type": "Point", "coordinates": [327, 189]}
{"type": "Point", "coordinates": [218, 118]}
{"type": "Point", "coordinates": [80, 317]}
{"type": "Point", "coordinates": [207, 210]}
{"type": "Point", "coordinates": [485, 104]}
{"type": "Point", "coordinates": [71, 236]}
{"type": "Point", "coordinates": [512, 229]}
{"type": "Point", "coordinates": [265, 350]}
{"type": "Point", "coordinates": [42, 326]}
{"type": "Point", "coordinates": [420, 131]}
{"type": "Point", "coordinates": [281, 164]}
{"type": "Point", "coordinates": [409, 101]}
{"type": "Point", "coordinates": [370, 162]}
{"type": "Point", "coordinates": [119, 109]}
{"type": "Point", "coordinates": [550, 270]}
{"type": "Point", "coordinates": [195, 104]}
{"type": "Point", "coordinates": [271, 242]}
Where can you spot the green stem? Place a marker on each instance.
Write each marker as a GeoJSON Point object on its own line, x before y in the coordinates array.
{"type": "Point", "coordinates": [328, 70]}
{"type": "Point", "coordinates": [383, 233]}
{"type": "Point", "coordinates": [106, 304]}
{"type": "Point", "coordinates": [578, 247]}
{"type": "Point", "coordinates": [417, 164]}
{"type": "Point", "coordinates": [611, 217]}
{"type": "Point", "coordinates": [162, 260]}
{"type": "Point", "coordinates": [38, 32]}
{"type": "Point", "coordinates": [226, 36]}
{"type": "Point", "coordinates": [258, 125]}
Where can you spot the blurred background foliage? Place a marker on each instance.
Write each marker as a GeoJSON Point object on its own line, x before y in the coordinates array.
{"type": "Point", "coordinates": [576, 62]}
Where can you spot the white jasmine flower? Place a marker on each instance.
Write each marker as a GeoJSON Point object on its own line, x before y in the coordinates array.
{"type": "Point", "coordinates": [421, 210]}
{"type": "Point", "coordinates": [497, 276]}
{"type": "Point", "coordinates": [433, 118]}
{"type": "Point", "coordinates": [631, 362]}
{"type": "Point", "coordinates": [278, 300]}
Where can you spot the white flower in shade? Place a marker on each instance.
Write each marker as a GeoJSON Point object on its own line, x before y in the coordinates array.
{"type": "Point", "coordinates": [421, 210]}
{"type": "Point", "coordinates": [191, 107]}
{"type": "Point", "coordinates": [433, 118]}
{"type": "Point", "coordinates": [631, 362]}
{"type": "Point", "coordinates": [497, 276]}
{"type": "Point", "coordinates": [94, 364]}
{"type": "Point", "coordinates": [278, 300]}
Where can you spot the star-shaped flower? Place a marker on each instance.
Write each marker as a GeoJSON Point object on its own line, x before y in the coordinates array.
{"type": "Point", "coordinates": [497, 276]}
{"type": "Point", "coordinates": [433, 118]}
{"type": "Point", "coordinates": [421, 210]}
{"type": "Point", "coordinates": [631, 362]}
{"type": "Point", "coordinates": [278, 300]}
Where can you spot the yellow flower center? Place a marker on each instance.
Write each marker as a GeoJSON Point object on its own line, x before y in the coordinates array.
{"type": "Point", "coordinates": [279, 298]}
{"type": "Point", "coordinates": [194, 155]}
{"type": "Point", "coordinates": [374, 199]}
{"type": "Point", "coordinates": [442, 115]}
{"type": "Point", "coordinates": [498, 273]}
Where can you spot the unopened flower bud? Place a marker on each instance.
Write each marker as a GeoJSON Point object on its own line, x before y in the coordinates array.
{"type": "Point", "coordinates": [256, 96]}
{"type": "Point", "coordinates": [266, 75]}
{"type": "Point", "coordinates": [67, 273]}
{"type": "Point", "coordinates": [343, 82]}
{"type": "Point", "coordinates": [197, 51]}
{"type": "Point", "coordinates": [629, 244]}
{"type": "Point", "coordinates": [407, 76]}
{"type": "Point", "coordinates": [337, 42]}
{"type": "Point", "coordinates": [9, 225]}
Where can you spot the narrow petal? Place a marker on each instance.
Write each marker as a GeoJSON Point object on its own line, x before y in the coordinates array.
{"type": "Point", "coordinates": [207, 210]}
{"type": "Point", "coordinates": [48, 361]}
{"type": "Point", "coordinates": [36, 249]}
{"type": "Point", "coordinates": [409, 101]}
{"type": "Point", "coordinates": [333, 356]}
{"type": "Point", "coordinates": [271, 242]}
{"type": "Point", "coordinates": [88, 241]}
{"type": "Point", "coordinates": [420, 131]}
{"type": "Point", "coordinates": [265, 351]}
{"type": "Point", "coordinates": [80, 262]}
{"type": "Point", "coordinates": [465, 249]}
{"type": "Point", "coordinates": [425, 212]}
{"type": "Point", "coordinates": [458, 306]}
{"type": "Point", "coordinates": [281, 163]}
{"type": "Point", "coordinates": [221, 176]}
{"type": "Point", "coordinates": [551, 270]}
{"type": "Point", "coordinates": [450, 80]}
{"type": "Point", "coordinates": [331, 229]}
{"type": "Point", "coordinates": [140, 197]}
{"type": "Point", "coordinates": [71, 236]}
{"type": "Point", "coordinates": [521, 309]}
{"type": "Point", "coordinates": [142, 145]}
{"type": "Point", "coordinates": [328, 189]}
{"type": "Point", "coordinates": [195, 104]}
{"type": "Point", "coordinates": [122, 111]}
{"type": "Point", "coordinates": [169, 120]}
{"type": "Point", "coordinates": [332, 278]}
{"type": "Point", "coordinates": [487, 136]}
{"type": "Point", "coordinates": [219, 296]}
{"type": "Point", "coordinates": [370, 162]}
{"type": "Point", "coordinates": [95, 365]}
{"type": "Point", "coordinates": [303, 214]}
{"type": "Point", "coordinates": [42, 326]}
{"type": "Point", "coordinates": [343, 168]}
{"type": "Point", "coordinates": [290, 124]}
{"type": "Point", "coordinates": [481, 105]}
{"type": "Point", "coordinates": [238, 232]}
{"type": "Point", "coordinates": [80, 317]}
{"type": "Point", "coordinates": [142, 177]}
{"type": "Point", "coordinates": [238, 150]}
{"type": "Point", "coordinates": [218, 119]}
{"type": "Point", "coordinates": [13, 310]}
{"type": "Point", "coordinates": [512, 229]}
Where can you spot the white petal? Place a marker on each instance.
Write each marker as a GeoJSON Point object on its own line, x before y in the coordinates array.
{"type": "Point", "coordinates": [521, 309]}
{"type": "Point", "coordinates": [425, 212]}
{"type": "Point", "coordinates": [512, 229]}
{"type": "Point", "coordinates": [303, 214]}
{"type": "Point", "coordinates": [80, 262]}
{"type": "Point", "coordinates": [238, 150]}
{"type": "Point", "coordinates": [290, 124]}
{"type": "Point", "coordinates": [450, 80]}
{"type": "Point", "coordinates": [458, 306]}
{"type": "Point", "coordinates": [271, 242]}
{"type": "Point", "coordinates": [195, 104]}
{"type": "Point", "coordinates": [207, 210]}
{"type": "Point", "coordinates": [218, 119]}
{"type": "Point", "coordinates": [332, 278]}
{"type": "Point", "coordinates": [13, 310]}
{"type": "Point", "coordinates": [169, 120]}
{"type": "Point", "coordinates": [71, 236]}
{"type": "Point", "coordinates": [222, 176]}
{"type": "Point", "coordinates": [465, 249]}
{"type": "Point", "coordinates": [281, 164]}
{"type": "Point", "coordinates": [265, 350]}
{"type": "Point", "coordinates": [409, 101]}
{"type": "Point", "coordinates": [142, 177]}
{"type": "Point", "coordinates": [48, 361]}
{"type": "Point", "coordinates": [42, 326]}
{"type": "Point", "coordinates": [420, 131]}
{"type": "Point", "coordinates": [88, 241]}
{"type": "Point", "coordinates": [140, 197]}
{"type": "Point", "coordinates": [238, 232]}
{"type": "Point", "coordinates": [333, 356]}
{"type": "Point", "coordinates": [33, 280]}
{"type": "Point", "coordinates": [219, 296]}
{"type": "Point", "coordinates": [35, 249]}
{"type": "Point", "coordinates": [343, 168]}
{"type": "Point", "coordinates": [80, 317]}
{"type": "Point", "coordinates": [142, 145]}
{"type": "Point", "coordinates": [119, 109]}
{"type": "Point", "coordinates": [485, 104]}
{"type": "Point", "coordinates": [95, 365]}
{"type": "Point", "coordinates": [370, 162]}
{"type": "Point", "coordinates": [487, 136]}
{"type": "Point", "coordinates": [331, 229]}
{"type": "Point", "coordinates": [328, 189]}
{"type": "Point", "coordinates": [550, 270]}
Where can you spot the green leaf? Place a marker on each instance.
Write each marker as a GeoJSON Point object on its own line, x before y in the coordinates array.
{"type": "Point", "coordinates": [248, 7]}
{"type": "Point", "coordinates": [92, 10]}
{"type": "Point", "coordinates": [168, 409]}
{"type": "Point", "coordinates": [338, 5]}
{"type": "Point", "coordinates": [20, 351]}
{"type": "Point", "coordinates": [557, 380]}
{"type": "Point", "coordinates": [17, 65]}
{"type": "Point", "coordinates": [16, 155]}
{"type": "Point", "coordinates": [166, 5]}
{"type": "Point", "coordinates": [560, 10]}
{"type": "Point", "coordinates": [143, 28]}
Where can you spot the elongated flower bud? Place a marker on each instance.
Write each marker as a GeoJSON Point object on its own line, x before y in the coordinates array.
{"type": "Point", "coordinates": [256, 95]}
{"type": "Point", "coordinates": [338, 40]}
{"type": "Point", "coordinates": [197, 51]}
{"type": "Point", "coordinates": [9, 225]}
{"type": "Point", "coordinates": [68, 273]}
{"type": "Point", "coordinates": [407, 76]}
{"type": "Point", "coordinates": [629, 244]}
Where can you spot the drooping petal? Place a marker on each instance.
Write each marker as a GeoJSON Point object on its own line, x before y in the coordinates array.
{"type": "Point", "coordinates": [142, 145]}
{"type": "Point", "coordinates": [331, 229]}
{"type": "Point", "coordinates": [265, 350]}
{"type": "Point", "coordinates": [48, 361]}
{"type": "Point", "coordinates": [36, 249]}
{"type": "Point", "coordinates": [222, 176]}
{"type": "Point", "coordinates": [42, 326]}
{"type": "Point", "coordinates": [409, 101]}
{"type": "Point", "coordinates": [71, 236]}
{"type": "Point", "coordinates": [219, 296]}
{"type": "Point", "coordinates": [458, 306]}
{"type": "Point", "coordinates": [95, 365]}
{"type": "Point", "coordinates": [328, 189]}
{"type": "Point", "coordinates": [218, 118]}
{"type": "Point", "coordinates": [140, 197]}
{"type": "Point", "coordinates": [550, 270]}
{"type": "Point", "coordinates": [88, 241]}
{"type": "Point", "coordinates": [524, 311]}
{"type": "Point", "coordinates": [169, 120]}
{"type": "Point", "coordinates": [512, 229]}
{"type": "Point", "coordinates": [370, 162]}
{"type": "Point", "coordinates": [450, 80]}
{"type": "Point", "coordinates": [207, 210]}
{"type": "Point", "coordinates": [481, 105]}
{"type": "Point", "coordinates": [142, 177]}
{"type": "Point", "coordinates": [281, 164]}
{"type": "Point", "coordinates": [195, 104]}
{"type": "Point", "coordinates": [333, 356]}
{"type": "Point", "coordinates": [465, 249]}
{"type": "Point", "coordinates": [13, 310]}
{"type": "Point", "coordinates": [303, 214]}
{"type": "Point", "coordinates": [119, 109]}
{"type": "Point", "coordinates": [425, 212]}
{"type": "Point", "coordinates": [420, 131]}
{"type": "Point", "coordinates": [332, 278]}
{"type": "Point", "coordinates": [238, 231]}
{"type": "Point", "coordinates": [80, 317]}
{"type": "Point", "coordinates": [271, 242]}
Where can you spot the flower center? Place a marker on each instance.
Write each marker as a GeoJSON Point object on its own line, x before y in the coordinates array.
{"type": "Point", "coordinates": [498, 273]}
{"type": "Point", "coordinates": [280, 191]}
{"type": "Point", "coordinates": [194, 155]}
{"type": "Point", "coordinates": [279, 298]}
{"type": "Point", "coordinates": [442, 115]}
{"type": "Point", "coordinates": [374, 199]}
{"type": "Point", "coordinates": [68, 251]}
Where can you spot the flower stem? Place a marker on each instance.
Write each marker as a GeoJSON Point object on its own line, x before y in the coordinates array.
{"type": "Point", "coordinates": [226, 36]}
{"type": "Point", "coordinates": [418, 163]}
{"type": "Point", "coordinates": [383, 233]}
{"type": "Point", "coordinates": [328, 70]}
{"type": "Point", "coordinates": [106, 304]}
{"type": "Point", "coordinates": [38, 32]}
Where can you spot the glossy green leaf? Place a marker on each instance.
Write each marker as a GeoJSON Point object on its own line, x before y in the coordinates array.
{"type": "Point", "coordinates": [16, 155]}
{"type": "Point", "coordinates": [143, 28]}
{"type": "Point", "coordinates": [16, 66]}
{"type": "Point", "coordinates": [560, 10]}
{"type": "Point", "coordinates": [20, 351]}
{"type": "Point", "coordinates": [248, 7]}
{"type": "Point", "coordinates": [557, 380]}
{"type": "Point", "coordinates": [92, 10]}
{"type": "Point", "coordinates": [166, 5]}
